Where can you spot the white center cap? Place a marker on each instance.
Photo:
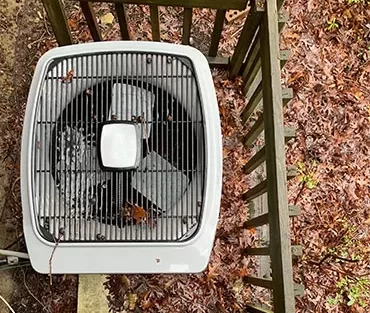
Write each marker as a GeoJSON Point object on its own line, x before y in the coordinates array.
{"type": "Point", "coordinates": [119, 145]}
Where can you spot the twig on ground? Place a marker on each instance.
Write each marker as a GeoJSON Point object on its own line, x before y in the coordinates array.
{"type": "Point", "coordinates": [29, 46]}
{"type": "Point", "coordinates": [299, 192]}
{"type": "Point", "coordinates": [13, 186]}
{"type": "Point", "coordinates": [61, 233]}
{"type": "Point", "coordinates": [334, 256]}
{"type": "Point", "coordinates": [30, 292]}
{"type": "Point", "coordinates": [303, 183]}
{"type": "Point", "coordinates": [7, 304]}
{"type": "Point", "coordinates": [10, 267]}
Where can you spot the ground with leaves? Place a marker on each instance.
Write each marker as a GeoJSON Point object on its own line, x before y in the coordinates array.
{"type": "Point", "coordinates": [329, 73]}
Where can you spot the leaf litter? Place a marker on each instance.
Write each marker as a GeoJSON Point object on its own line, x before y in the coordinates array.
{"type": "Point", "coordinates": [329, 73]}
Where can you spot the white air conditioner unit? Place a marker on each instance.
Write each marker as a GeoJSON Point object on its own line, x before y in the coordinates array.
{"type": "Point", "coordinates": [121, 159]}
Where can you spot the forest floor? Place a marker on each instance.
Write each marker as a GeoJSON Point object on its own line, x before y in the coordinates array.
{"type": "Point", "coordinates": [329, 72]}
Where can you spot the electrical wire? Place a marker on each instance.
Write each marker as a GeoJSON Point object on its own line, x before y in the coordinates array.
{"type": "Point", "coordinates": [7, 304]}
{"type": "Point", "coordinates": [21, 255]}
{"type": "Point", "coordinates": [10, 267]}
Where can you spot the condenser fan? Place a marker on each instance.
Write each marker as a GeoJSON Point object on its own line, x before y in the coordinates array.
{"type": "Point", "coordinates": [121, 159]}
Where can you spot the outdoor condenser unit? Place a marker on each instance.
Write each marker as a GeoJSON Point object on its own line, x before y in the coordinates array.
{"type": "Point", "coordinates": [121, 159]}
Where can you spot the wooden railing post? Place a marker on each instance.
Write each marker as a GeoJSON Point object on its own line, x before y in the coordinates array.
{"type": "Point", "coordinates": [154, 20]}
{"type": "Point", "coordinates": [122, 20]}
{"type": "Point", "coordinates": [249, 30]}
{"type": "Point", "coordinates": [90, 17]}
{"type": "Point", "coordinates": [281, 256]}
{"type": "Point", "coordinates": [216, 34]}
{"type": "Point", "coordinates": [188, 14]}
{"type": "Point", "coordinates": [57, 18]}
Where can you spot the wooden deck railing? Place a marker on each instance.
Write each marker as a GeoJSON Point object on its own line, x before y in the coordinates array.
{"type": "Point", "coordinates": [258, 59]}
{"type": "Point", "coordinates": [56, 13]}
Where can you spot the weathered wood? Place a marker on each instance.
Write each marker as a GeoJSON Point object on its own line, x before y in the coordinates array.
{"type": "Point", "coordinates": [154, 20]}
{"type": "Point", "coordinates": [188, 14]}
{"type": "Point", "coordinates": [261, 282]}
{"type": "Point", "coordinates": [58, 21]}
{"type": "Point", "coordinates": [298, 290]}
{"type": "Point", "coordinates": [254, 132]}
{"type": "Point", "coordinates": [256, 191]}
{"type": "Point", "coordinates": [256, 221]}
{"type": "Point", "coordinates": [252, 54]}
{"type": "Point", "coordinates": [218, 62]}
{"type": "Point", "coordinates": [122, 21]}
{"type": "Point", "coordinates": [281, 258]}
{"type": "Point", "coordinates": [296, 251]}
{"type": "Point", "coordinates": [215, 4]}
{"type": "Point", "coordinates": [287, 95]}
{"type": "Point", "coordinates": [283, 18]}
{"type": "Point", "coordinates": [216, 34]}
{"type": "Point", "coordinates": [264, 218]}
{"type": "Point", "coordinates": [284, 57]}
{"type": "Point", "coordinates": [251, 308]}
{"type": "Point", "coordinates": [252, 103]}
{"type": "Point", "coordinates": [280, 4]}
{"type": "Point", "coordinates": [260, 156]}
{"type": "Point", "coordinates": [289, 133]}
{"type": "Point", "coordinates": [294, 210]}
{"type": "Point", "coordinates": [257, 251]}
{"type": "Point", "coordinates": [255, 161]}
{"type": "Point", "coordinates": [90, 17]}
{"type": "Point", "coordinates": [249, 30]}
{"type": "Point", "coordinates": [251, 75]}
{"type": "Point", "coordinates": [257, 128]}
{"type": "Point", "coordinates": [291, 172]}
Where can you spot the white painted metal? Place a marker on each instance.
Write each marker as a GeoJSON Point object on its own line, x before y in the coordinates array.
{"type": "Point", "coordinates": [191, 254]}
{"type": "Point", "coordinates": [113, 153]}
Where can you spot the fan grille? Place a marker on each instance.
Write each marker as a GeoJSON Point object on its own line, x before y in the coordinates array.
{"type": "Point", "coordinates": [161, 199]}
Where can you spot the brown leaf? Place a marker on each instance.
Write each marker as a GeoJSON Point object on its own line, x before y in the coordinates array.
{"type": "Point", "coordinates": [73, 24]}
{"type": "Point", "coordinates": [132, 298]}
{"type": "Point", "coordinates": [68, 77]}
{"type": "Point", "coordinates": [147, 304]}
{"type": "Point", "coordinates": [139, 214]}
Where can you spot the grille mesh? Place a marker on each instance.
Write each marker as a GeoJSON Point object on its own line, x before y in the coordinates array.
{"type": "Point", "coordinates": [160, 200]}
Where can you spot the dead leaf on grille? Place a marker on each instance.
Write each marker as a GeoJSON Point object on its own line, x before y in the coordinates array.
{"type": "Point", "coordinates": [68, 77]}
{"type": "Point", "coordinates": [139, 214]}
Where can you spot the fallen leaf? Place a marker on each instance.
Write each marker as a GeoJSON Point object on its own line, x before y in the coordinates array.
{"type": "Point", "coordinates": [147, 304]}
{"type": "Point", "coordinates": [211, 272]}
{"type": "Point", "coordinates": [139, 214]}
{"type": "Point", "coordinates": [73, 24]}
{"type": "Point", "coordinates": [125, 281]}
{"type": "Point", "coordinates": [238, 286]}
{"type": "Point", "coordinates": [132, 298]}
{"type": "Point", "coordinates": [68, 77]}
{"type": "Point", "coordinates": [107, 18]}
{"type": "Point", "coordinates": [243, 272]}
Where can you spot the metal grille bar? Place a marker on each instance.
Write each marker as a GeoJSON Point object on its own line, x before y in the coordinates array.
{"type": "Point", "coordinates": [159, 200]}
